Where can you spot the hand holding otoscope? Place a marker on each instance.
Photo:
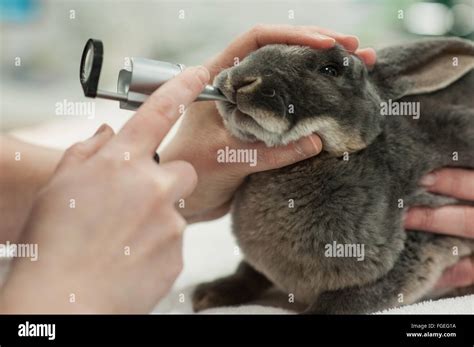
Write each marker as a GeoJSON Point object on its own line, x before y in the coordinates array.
{"type": "Point", "coordinates": [135, 85]}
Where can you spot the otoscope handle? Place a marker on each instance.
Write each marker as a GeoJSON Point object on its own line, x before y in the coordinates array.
{"type": "Point", "coordinates": [147, 75]}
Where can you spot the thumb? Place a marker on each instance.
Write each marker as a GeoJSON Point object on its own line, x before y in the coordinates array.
{"type": "Point", "coordinates": [275, 157]}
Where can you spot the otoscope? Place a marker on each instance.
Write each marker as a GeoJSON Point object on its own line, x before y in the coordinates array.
{"type": "Point", "coordinates": [134, 85]}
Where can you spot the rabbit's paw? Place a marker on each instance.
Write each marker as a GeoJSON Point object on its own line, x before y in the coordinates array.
{"type": "Point", "coordinates": [228, 291]}
{"type": "Point", "coordinates": [344, 301]}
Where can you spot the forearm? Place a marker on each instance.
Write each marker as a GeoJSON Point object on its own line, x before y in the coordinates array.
{"type": "Point", "coordinates": [24, 169]}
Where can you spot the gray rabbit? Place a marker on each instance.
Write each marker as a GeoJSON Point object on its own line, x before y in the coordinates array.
{"type": "Point", "coordinates": [299, 227]}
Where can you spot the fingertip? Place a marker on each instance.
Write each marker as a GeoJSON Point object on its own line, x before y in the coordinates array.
{"type": "Point", "coordinates": [191, 173]}
{"type": "Point", "coordinates": [276, 157]}
{"type": "Point", "coordinates": [459, 275]}
{"type": "Point", "coordinates": [329, 38]}
{"type": "Point", "coordinates": [101, 135]}
{"type": "Point", "coordinates": [350, 42]}
{"type": "Point", "coordinates": [104, 129]}
{"type": "Point", "coordinates": [184, 178]}
{"type": "Point", "coordinates": [100, 129]}
{"type": "Point", "coordinates": [428, 180]}
{"type": "Point", "coordinates": [407, 218]}
{"type": "Point", "coordinates": [83, 150]}
{"type": "Point", "coordinates": [454, 182]}
{"type": "Point", "coordinates": [449, 220]}
{"type": "Point", "coordinates": [308, 146]}
{"type": "Point", "coordinates": [203, 74]}
{"type": "Point", "coordinates": [186, 168]}
{"type": "Point", "coordinates": [317, 144]}
{"type": "Point", "coordinates": [368, 56]}
{"type": "Point", "coordinates": [412, 218]}
{"type": "Point", "coordinates": [316, 40]}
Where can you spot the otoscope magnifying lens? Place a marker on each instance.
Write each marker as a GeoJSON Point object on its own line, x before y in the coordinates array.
{"type": "Point", "coordinates": [87, 68]}
{"type": "Point", "coordinates": [91, 64]}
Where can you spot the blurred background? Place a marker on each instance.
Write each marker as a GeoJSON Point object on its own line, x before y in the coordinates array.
{"type": "Point", "coordinates": [41, 43]}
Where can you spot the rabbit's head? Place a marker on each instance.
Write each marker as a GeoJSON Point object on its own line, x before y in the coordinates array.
{"type": "Point", "coordinates": [281, 93]}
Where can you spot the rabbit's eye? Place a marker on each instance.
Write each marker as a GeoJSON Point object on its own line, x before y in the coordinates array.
{"type": "Point", "coordinates": [330, 70]}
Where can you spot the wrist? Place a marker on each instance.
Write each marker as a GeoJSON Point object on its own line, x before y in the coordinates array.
{"type": "Point", "coordinates": [28, 291]}
{"type": "Point", "coordinates": [25, 169]}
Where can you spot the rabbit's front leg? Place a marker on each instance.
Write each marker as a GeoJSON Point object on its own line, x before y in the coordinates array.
{"type": "Point", "coordinates": [245, 285]}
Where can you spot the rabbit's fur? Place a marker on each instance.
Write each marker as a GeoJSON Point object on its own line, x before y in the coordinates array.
{"type": "Point", "coordinates": [357, 191]}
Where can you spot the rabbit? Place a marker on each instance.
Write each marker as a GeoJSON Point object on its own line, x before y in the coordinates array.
{"type": "Point", "coordinates": [356, 192]}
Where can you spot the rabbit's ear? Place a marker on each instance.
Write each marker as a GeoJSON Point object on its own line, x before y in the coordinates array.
{"type": "Point", "coordinates": [422, 66]}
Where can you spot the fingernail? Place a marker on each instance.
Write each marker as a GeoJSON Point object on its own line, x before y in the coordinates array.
{"type": "Point", "coordinates": [428, 180]}
{"type": "Point", "coordinates": [101, 129]}
{"type": "Point", "coordinates": [308, 146]}
{"type": "Point", "coordinates": [203, 74]}
{"type": "Point", "coordinates": [353, 37]}
{"type": "Point", "coordinates": [325, 38]}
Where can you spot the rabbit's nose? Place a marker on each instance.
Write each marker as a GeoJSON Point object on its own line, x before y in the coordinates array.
{"type": "Point", "coordinates": [246, 84]}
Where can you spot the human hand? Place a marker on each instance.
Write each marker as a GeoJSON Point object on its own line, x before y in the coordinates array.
{"type": "Point", "coordinates": [24, 169]}
{"type": "Point", "coordinates": [450, 220]}
{"type": "Point", "coordinates": [262, 35]}
{"type": "Point", "coordinates": [202, 132]}
{"type": "Point", "coordinates": [106, 227]}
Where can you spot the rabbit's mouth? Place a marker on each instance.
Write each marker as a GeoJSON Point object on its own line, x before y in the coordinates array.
{"type": "Point", "coordinates": [252, 124]}
{"type": "Point", "coordinates": [253, 109]}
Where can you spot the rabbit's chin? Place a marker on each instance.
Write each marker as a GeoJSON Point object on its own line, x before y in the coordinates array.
{"type": "Point", "coordinates": [336, 139]}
